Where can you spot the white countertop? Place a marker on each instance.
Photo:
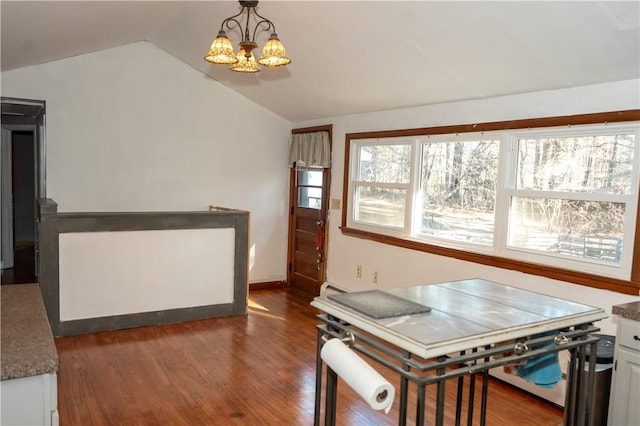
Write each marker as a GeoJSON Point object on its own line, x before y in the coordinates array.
{"type": "Point", "coordinates": [466, 314]}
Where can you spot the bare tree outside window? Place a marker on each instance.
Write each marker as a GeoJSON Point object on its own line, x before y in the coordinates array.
{"type": "Point", "coordinates": [458, 190]}
{"type": "Point", "coordinates": [571, 184]}
{"type": "Point", "coordinates": [383, 173]}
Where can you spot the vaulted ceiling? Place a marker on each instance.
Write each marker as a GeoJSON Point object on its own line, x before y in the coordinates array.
{"type": "Point", "coordinates": [355, 56]}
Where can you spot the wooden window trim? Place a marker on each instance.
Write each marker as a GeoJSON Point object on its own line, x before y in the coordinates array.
{"type": "Point", "coordinates": [631, 286]}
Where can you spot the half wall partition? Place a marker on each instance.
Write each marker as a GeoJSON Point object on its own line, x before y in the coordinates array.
{"type": "Point", "coordinates": [108, 271]}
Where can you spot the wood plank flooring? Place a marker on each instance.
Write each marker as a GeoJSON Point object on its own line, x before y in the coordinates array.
{"type": "Point", "coordinates": [257, 369]}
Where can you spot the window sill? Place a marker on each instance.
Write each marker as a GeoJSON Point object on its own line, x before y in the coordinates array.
{"type": "Point", "coordinates": [575, 277]}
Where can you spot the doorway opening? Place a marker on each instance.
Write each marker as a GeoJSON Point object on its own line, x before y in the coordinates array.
{"type": "Point", "coordinates": [22, 182]}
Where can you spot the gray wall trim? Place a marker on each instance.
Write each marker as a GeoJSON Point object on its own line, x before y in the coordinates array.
{"type": "Point", "coordinates": [48, 256]}
{"type": "Point", "coordinates": [113, 222]}
{"type": "Point", "coordinates": [119, 322]}
{"type": "Point", "coordinates": [51, 224]}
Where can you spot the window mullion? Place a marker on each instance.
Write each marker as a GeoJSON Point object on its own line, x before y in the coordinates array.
{"type": "Point", "coordinates": [352, 196]}
{"type": "Point", "coordinates": [413, 211]}
{"type": "Point", "coordinates": [506, 180]}
{"type": "Point", "coordinates": [389, 185]}
{"type": "Point", "coordinates": [577, 196]}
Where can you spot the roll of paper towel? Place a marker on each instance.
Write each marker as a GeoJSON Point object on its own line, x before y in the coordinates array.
{"type": "Point", "coordinates": [359, 375]}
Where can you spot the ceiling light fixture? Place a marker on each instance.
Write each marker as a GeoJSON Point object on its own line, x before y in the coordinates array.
{"type": "Point", "coordinates": [221, 52]}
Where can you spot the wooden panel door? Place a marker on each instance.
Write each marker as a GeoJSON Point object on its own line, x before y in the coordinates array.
{"type": "Point", "coordinates": [307, 237]}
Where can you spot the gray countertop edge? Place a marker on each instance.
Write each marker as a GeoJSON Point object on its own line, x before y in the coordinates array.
{"type": "Point", "coordinates": [28, 348]}
{"type": "Point", "coordinates": [629, 310]}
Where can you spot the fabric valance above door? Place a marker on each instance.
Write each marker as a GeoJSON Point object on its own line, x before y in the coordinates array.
{"type": "Point", "coordinates": [310, 150]}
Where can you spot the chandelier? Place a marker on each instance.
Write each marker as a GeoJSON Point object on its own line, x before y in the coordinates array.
{"type": "Point", "coordinates": [221, 52]}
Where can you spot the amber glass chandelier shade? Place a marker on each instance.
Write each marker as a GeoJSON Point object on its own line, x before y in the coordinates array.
{"type": "Point", "coordinates": [221, 51]}
{"type": "Point", "coordinates": [248, 23]}
{"type": "Point", "coordinates": [245, 63]}
{"type": "Point", "coordinates": [273, 53]}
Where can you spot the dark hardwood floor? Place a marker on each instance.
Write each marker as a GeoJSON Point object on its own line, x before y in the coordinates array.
{"type": "Point", "coordinates": [257, 369]}
{"type": "Point", "coordinates": [24, 266]}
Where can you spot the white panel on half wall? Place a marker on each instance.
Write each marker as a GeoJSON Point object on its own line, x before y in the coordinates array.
{"type": "Point", "coordinates": [115, 273]}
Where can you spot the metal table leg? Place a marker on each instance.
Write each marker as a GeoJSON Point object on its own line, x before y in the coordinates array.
{"type": "Point", "coordinates": [420, 410]}
{"type": "Point", "coordinates": [472, 393]}
{"type": "Point", "coordinates": [316, 411]}
{"type": "Point", "coordinates": [580, 403]}
{"type": "Point", "coordinates": [591, 383]}
{"type": "Point", "coordinates": [330, 402]}
{"type": "Point", "coordinates": [483, 401]}
{"type": "Point", "coordinates": [459, 400]}
{"type": "Point", "coordinates": [570, 396]}
{"type": "Point", "coordinates": [440, 396]}
{"type": "Point", "coordinates": [580, 381]}
{"type": "Point", "coordinates": [404, 391]}
{"type": "Point", "coordinates": [485, 391]}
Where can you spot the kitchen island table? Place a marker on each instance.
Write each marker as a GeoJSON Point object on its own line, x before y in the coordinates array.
{"type": "Point", "coordinates": [466, 328]}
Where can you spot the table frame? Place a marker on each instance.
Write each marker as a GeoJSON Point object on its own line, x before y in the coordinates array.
{"type": "Point", "coordinates": [470, 362]}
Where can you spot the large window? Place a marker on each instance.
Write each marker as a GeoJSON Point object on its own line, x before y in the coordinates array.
{"type": "Point", "coordinates": [572, 194]}
{"type": "Point", "coordinates": [561, 197]}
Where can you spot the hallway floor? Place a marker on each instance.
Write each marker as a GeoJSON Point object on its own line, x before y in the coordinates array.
{"type": "Point", "coordinates": [24, 266]}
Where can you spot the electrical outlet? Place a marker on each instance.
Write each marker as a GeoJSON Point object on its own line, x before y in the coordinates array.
{"type": "Point", "coordinates": [358, 271]}
{"type": "Point", "coordinates": [375, 277]}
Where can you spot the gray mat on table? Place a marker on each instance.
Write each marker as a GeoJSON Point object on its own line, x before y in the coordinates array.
{"type": "Point", "coordinates": [379, 304]}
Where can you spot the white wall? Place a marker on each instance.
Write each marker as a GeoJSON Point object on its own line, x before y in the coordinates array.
{"type": "Point", "coordinates": [399, 267]}
{"type": "Point", "coordinates": [186, 268]}
{"type": "Point", "coordinates": [134, 129]}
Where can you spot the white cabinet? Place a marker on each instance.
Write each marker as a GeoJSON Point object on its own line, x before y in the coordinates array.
{"type": "Point", "coordinates": [624, 404]}
{"type": "Point", "coordinates": [30, 401]}
{"type": "Point", "coordinates": [29, 386]}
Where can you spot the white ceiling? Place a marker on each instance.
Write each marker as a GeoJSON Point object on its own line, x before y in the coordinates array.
{"type": "Point", "coordinates": [352, 57]}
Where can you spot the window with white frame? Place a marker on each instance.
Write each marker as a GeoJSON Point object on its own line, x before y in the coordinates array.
{"type": "Point", "coordinates": [382, 188]}
{"type": "Point", "coordinates": [564, 197]}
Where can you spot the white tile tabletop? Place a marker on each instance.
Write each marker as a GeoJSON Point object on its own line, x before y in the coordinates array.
{"type": "Point", "coordinates": [466, 314]}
